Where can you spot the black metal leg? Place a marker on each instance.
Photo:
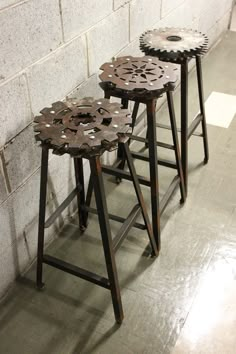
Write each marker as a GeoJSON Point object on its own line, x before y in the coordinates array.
{"type": "Point", "coordinates": [202, 107]}
{"type": "Point", "coordinates": [107, 95]}
{"type": "Point", "coordinates": [88, 197]}
{"type": "Point", "coordinates": [184, 121]}
{"type": "Point", "coordinates": [96, 172]}
{"type": "Point", "coordinates": [134, 114]}
{"type": "Point", "coordinates": [42, 212]}
{"type": "Point", "coordinates": [140, 198]}
{"type": "Point", "coordinates": [79, 177]}
{"type": "Point", "coordinates": [120, 152]}
{"type": "Point", "coordinates": [151, 122]}
{"type": "Point", "coordinates": [176, 143]}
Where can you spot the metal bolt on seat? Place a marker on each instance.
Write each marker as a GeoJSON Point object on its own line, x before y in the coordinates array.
{"type": "Point", "coordinates": [180, 45]}
{"type": "Point", "coordinates": [144, 80]}
{"type": "Point", "coordinates": [86, 129]}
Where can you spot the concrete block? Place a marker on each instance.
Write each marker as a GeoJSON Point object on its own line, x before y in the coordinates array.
{"type": "Point", "coordinates": [28, 32]}
{"type": "Point", "coordinates": [53, 78]}
{"type": "Point", "coordinates": [107, 38]}
{"type": "Point", "coordinates": [143, 14]}
{"type": "Point", "coordinates": [22, 157]}
{"type": "Point", "coordinates": [79, 15]}
{"type": "Point", "coordinates": [90, 88]}
{"type": "Point", "coordinates": [3, 189]}
{"type": "Point", "coordinates": [169, 5]}
{"type": "Point", "coordinates": [219, 28]}
{"type": "Point", "coordinates": [15, 110]}
{"type": "Point", "coordinates": [6, 227]}
{"type": "Point", "coordinates": [119, 3]}
{"type": "Point", "coordinates": [179, 17]}
{"type": "Point", "coordinates": [7, 270]}
{"type": "Point", "coordinates": [131, 49]}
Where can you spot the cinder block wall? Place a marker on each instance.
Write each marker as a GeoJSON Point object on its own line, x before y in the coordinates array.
{"type": "Point", "coordinates": [50, 49]}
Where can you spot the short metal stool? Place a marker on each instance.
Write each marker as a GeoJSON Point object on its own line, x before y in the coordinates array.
{"type": "Point", "coordinates": [144, 80]}
{"type": "Point", "coordinates": [86, 129]}
{"type": "Point", "coordinates": [179, 45]}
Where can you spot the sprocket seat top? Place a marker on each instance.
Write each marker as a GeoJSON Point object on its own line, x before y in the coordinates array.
{"type": "Point", "coordinates": [82, 127]}
{"type": "Point", "coordinates": [173, 44]}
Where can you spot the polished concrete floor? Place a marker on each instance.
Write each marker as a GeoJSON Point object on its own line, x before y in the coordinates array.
{"type": "Point", "coordinates": [182, 302]}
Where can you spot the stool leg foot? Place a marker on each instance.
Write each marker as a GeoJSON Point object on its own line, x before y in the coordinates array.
{"type": "Point", "coordinates": [202, 107]}
{"type": "Point", "coordinates": [96, 173]}
{"type": "Point", "coordinates": [153, 166]}
{"type": "Point", "coordinates": [140, 199]}
{"type": "Point", "coordinates": [42, 212]}
{"type": "Point", "coordinates": [184, 122]}
{"type": "Point", "coordinates": [176, 144]}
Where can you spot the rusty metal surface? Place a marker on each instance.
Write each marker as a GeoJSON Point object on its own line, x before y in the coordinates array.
{"type": "Point", "coordinates": [82, 127]}
{"type": "Point", "coordinates": [173, 43]}
{"type": "Point", "coordinates": [140, 74]}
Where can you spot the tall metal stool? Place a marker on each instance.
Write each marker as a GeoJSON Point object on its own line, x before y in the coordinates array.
{"type": "Point", "coordinates": [86, 129]}
{"type": "Point", "coordinates": [179, 45]}
{"type": "Point", "coordinates": [144, 80]}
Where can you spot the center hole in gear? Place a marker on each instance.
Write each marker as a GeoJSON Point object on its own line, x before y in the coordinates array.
{"type": "Point", "coordinates": [106, 121]}
{"type": "Point", "coordinates": [91, 131]}
{"type": "Point", "coordinates": [174, 38]}
{"type": "Point", "coordinates": [139, 71]}
{"type": "Point", "coordinates": [82, 117]}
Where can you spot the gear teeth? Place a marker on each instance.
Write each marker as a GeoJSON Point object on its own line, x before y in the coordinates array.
{"type": "Point", "coordinates": [189, 47]}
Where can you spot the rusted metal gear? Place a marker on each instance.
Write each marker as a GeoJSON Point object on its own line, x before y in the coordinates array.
{"type": "Point", "coordinates": [139, 74]}
{"type": "Point", "coordinates": [82, 127]}
{"type": "Point", "coordinates": [173, 43]}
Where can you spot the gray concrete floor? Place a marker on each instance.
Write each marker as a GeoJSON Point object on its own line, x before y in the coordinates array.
{"type": "Point", "coordinates": [73, 316]}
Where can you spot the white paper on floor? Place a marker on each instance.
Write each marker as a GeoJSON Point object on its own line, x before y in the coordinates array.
{"type": "Point", "coordinates": [220, 109]}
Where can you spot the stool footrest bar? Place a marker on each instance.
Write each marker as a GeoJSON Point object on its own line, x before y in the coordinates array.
{"type": "Point", "coordinates": [124, 175]}
{"type": "Point", "coordinates": [144, 140]}
{"type": "Point", "coordinates": [197, 120]}
{"type": "Point", "coordinates": [161, 162]}
{"type": "Point", "coordinates": [163, 203]}
{"type": "Point", "coordinates": [195, 123]}
{"type": "Point", "coordinates": [76, 271]}
{"type": "Point", "coordinates": [61, 207]}
{"type": "Point", "coordinates": [129, 222]}
{"type": "Point", "coordinates": [114, 217]}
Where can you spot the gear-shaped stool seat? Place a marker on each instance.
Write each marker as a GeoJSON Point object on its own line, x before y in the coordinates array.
{"type": "Point", "coordinates": [144, 80]}
{"type": "Point", "coordinates": [179, 45]}
{"type": "Point", "coordinates": [85, 129]}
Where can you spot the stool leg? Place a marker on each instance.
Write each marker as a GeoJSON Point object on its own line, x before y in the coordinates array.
{"type": "Point", "coordinates": [140, 198]}
{"type": "Point", "coordinates": [153, 165]}
{"type": "Point", "coordinates": [120, 152]}
{"type": "Point", "coordinates": [79, 178]}
{"type": "Point", "coordinates": [202, 107]}
{"type": "Point", "coordinates": [176, 143]}
{"type": "Point", "coordinates": [88, 198]}
{"type": "Point", "coordinates": [96, 173]}
{"type": "Point", "coordinates": [134, 114]}
{"type": "Point", "coordinates": [42, 212]}
{"type": "Point", "coordinates": [184, 121]}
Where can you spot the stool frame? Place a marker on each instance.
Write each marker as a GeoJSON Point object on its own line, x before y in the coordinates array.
{"type": "Point", "coordinates": [110, 245]}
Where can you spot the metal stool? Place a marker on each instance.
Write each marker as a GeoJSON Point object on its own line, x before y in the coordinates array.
{"type": "Point", "coordinates": [144, 80]}
{"type": "Point", "coordinates": [86, 129]}
{"type": "Point", "coordinates": [179, 46]}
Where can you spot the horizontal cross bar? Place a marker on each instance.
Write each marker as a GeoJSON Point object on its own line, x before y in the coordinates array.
{"type": "Point", "coordinates": [114, 217]}
{"type": "Point", "coordinates": [124, 174]}
{"type": "Point", "coordinates": [168, 194]}
{"type": "Point", "coordinates": [61, 207]}
{"type": "Point", "coordinates": [143, 140]}
{"type": "Point", "coordinates": [76, 271]}
{"type": "Point", "coordinates": [129, 222]}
